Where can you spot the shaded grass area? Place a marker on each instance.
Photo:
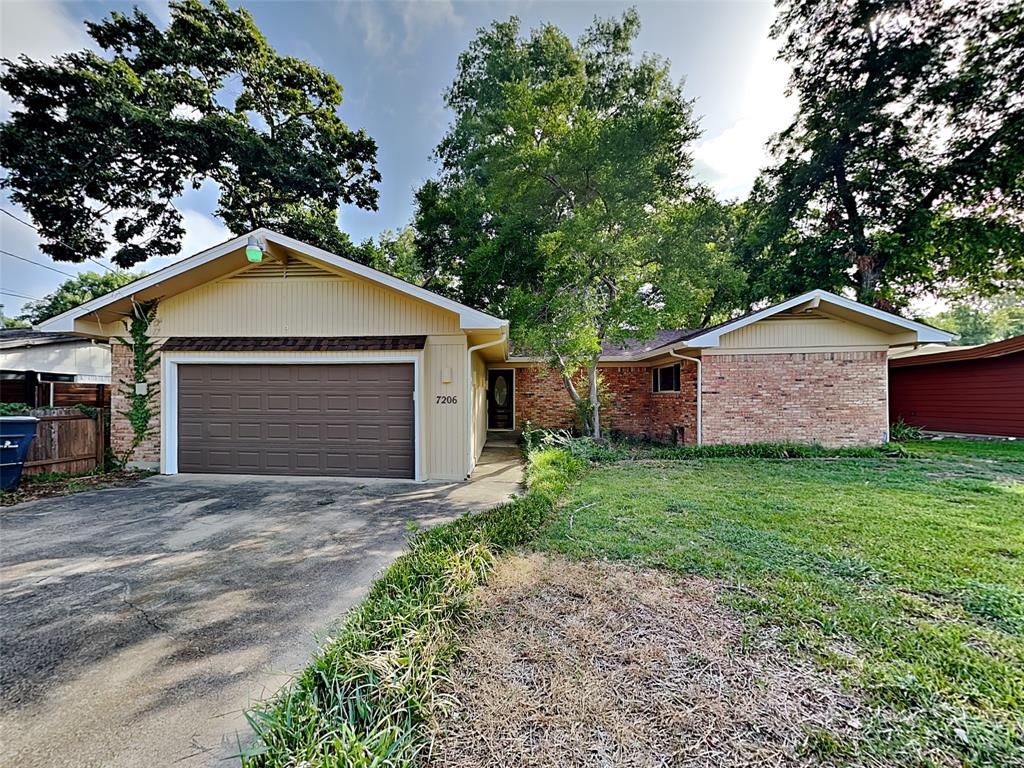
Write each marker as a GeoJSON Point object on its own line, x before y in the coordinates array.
{"type": "Point", "coordinates": [365, 697]}
{"type": "Point", "coordinates": [907, 574]}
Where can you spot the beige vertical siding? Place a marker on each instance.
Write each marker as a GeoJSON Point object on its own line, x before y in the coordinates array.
{"type": "Point", "coordinates": [447, 423]}
{"type": "Point", "coordinates": [793, 333]}
{"type": "Point", "coordinates": [479, 404]}
{"type": "Point", "coordinates": [298, 300]}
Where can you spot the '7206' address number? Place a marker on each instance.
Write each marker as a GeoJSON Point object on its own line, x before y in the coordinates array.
{"type": "Point", "coordinates": [447, 399]}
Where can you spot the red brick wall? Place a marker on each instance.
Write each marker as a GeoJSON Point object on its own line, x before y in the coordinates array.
{"type": "Point", "coordinates": [632, 408]}
{"type": "Point", "coordinates": [832, 398]}
{"type": "Point", "coordinates": [148, 453]}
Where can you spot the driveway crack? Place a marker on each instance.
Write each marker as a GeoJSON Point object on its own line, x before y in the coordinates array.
{"type": "Point", "coordinates": [152, 622]}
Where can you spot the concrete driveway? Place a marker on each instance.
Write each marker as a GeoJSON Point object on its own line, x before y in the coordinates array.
{"type": "Point", "coordinates": [136, 623]}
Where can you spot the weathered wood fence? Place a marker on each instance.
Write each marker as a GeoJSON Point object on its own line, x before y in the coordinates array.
{"type": "Point", "coordinates": [71, 443]}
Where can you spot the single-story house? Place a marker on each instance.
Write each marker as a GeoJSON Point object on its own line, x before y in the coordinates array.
{"type": "Point", "coordinates": [973, 390]}
{"type": "Point", "coordinates": [52, 369]}
{"type": "Point", "coordinates": [299, 361]}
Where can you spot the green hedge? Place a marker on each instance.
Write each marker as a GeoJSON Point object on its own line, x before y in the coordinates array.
{"type": "Point", "coordinates": [363, 699]}
{"type": "Point", "coordinates": [588, 449]}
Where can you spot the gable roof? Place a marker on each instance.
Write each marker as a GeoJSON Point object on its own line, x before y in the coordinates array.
{"type": "Point", "coordinates": [468, 317]}
{"type": "Point", "coordinates": [1009, 346]}
{"type": "Point", "coordinates": [711, 337]}
{"type": "Point", "coordinates": [665, 340]}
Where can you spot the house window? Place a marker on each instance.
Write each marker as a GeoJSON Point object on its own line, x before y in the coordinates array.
{"type": "Point", "coordinates": [666, 378]}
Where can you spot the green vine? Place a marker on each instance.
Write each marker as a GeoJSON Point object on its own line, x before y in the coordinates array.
{"type": "Point", "coordinates": [145, 358]}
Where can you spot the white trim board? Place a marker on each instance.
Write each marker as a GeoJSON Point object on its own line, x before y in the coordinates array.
{"type": "Point", "coordinates": [468, 317]}
{"type": "Point", "coordinates": [169, 391]}
{"type": "Point", "coordinates": [712, 337]}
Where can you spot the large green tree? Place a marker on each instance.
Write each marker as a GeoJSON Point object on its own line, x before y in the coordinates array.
{"type": "Point", "coordinates": [561, 169]}
{"type": "Point", "coordinates": [98, 146]}
{"type": "Point", "coordinates": [77, 290]}
{"type": "Point", "coordinates": [903, 170]}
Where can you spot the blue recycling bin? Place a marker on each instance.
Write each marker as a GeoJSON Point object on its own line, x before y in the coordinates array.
{"type": "Point", "coordinates": [16, 435]}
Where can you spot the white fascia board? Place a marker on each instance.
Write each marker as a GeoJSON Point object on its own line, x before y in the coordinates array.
{"type": "Point", "coordinates": [65, 321]}
{"type": "Point", "coordinates": [468, 318]}
{"type": "Point", "coordinates": [925, 333]}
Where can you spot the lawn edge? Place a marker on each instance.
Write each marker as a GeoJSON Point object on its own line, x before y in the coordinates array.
{"type": "Point", "coordinates": [367, 694]}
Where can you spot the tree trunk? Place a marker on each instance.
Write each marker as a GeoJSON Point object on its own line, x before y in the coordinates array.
{"type": "Point", "coordinates": [576, 400]}
{"type": "Point", "coordinates": [595, 404]}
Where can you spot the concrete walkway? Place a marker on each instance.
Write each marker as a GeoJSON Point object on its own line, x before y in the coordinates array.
{"type": "Point", "coordinates": [136, 623]}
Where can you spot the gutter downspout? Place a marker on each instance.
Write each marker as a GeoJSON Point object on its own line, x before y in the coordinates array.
{"type": "Point", "coordinates": [700, 427]}
{"type": "Point", "coordinates": [470, 458]}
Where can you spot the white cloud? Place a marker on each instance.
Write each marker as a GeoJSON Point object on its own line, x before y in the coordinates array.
{"type": "Point", "coordinates": [730, 160]}
{"type": "Point", "coordinates": [421, 18]}
{"type": "Point", "coordinates": [39, 29]}
{"type": "Point", "coordinates": [201, 232]}
{"type": "Point", "coordinates": [415, 19]}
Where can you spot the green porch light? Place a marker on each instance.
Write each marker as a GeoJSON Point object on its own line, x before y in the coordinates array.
{"type": "Point", "coordinates": [253, 251]}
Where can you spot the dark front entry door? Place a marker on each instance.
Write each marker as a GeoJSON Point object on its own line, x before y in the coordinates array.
{"type": "Point", "coordinates": [500, 397]}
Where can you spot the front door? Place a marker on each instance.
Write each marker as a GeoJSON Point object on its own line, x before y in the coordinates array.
{"type": "Point", "coordinates": [500, 396]}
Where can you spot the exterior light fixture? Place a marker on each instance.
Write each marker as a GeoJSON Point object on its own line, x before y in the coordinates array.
{"type": "Point", "coordinates": [253, 251]}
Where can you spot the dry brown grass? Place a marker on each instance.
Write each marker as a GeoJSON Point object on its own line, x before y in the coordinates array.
{"type": "Point", "coordinates": [592, 664]}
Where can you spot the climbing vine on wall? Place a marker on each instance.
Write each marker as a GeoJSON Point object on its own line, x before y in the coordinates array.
{"type": "Point", "coordinates": [140, 390]}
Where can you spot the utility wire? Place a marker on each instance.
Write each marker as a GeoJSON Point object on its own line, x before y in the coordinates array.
{"type": "Point", "coordinates": [33, 226]}
{"type": "Point", "coordinates": [19, 295]}
{"type": "Point", "coordinates": [36, 263]}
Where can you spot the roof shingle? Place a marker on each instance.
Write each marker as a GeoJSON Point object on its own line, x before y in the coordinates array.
{"type": "Point", "coordinates": [291, 343]}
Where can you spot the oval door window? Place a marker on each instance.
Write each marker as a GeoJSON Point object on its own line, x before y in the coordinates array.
{"type": "Point", "coordinates": [500, 391]}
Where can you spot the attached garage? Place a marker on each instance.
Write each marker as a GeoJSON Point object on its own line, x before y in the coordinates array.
{"type": "Point", "coordinates": [347, 420]}
{"type": "Point", "coordinates": [300, 362]}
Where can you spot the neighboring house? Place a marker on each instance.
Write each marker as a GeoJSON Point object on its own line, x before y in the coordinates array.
{"type": "Point", "coordinates": [973, 390]}
{"type": "Point", "coordinates": [309, 363]}
{"type": "Point", "coordinates": [41, 369]}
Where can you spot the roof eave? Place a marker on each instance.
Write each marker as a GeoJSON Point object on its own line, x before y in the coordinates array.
{"type": "Point", "coordinates": [469, 318]}
{"type": "Point", "coordinates": [925, 333]}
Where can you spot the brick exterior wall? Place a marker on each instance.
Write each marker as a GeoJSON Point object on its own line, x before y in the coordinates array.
{"type": "Point", "coordinates": [633, 409]}
{"type": "Point", "coordinates": [832, 398]}
{"type": "Point", "coordinates": [148, 453]}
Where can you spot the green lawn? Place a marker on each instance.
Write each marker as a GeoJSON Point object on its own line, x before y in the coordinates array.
{"type": "Point", "coordinates": [906, 575]}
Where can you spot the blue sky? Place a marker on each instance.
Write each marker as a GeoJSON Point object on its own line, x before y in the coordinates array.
{"type": "Point", "coordinates": [394, 59]}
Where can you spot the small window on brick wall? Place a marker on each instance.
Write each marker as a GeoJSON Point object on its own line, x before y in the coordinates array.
{"type": "Point", "coordinates": [666, 378]}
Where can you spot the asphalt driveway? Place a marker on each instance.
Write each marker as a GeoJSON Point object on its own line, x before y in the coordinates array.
{"type": "Point", "coordinates": [137, 623]}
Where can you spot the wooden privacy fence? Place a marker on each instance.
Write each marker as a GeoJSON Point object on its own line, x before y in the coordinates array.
{"type": "Point", "coordinates": [71, 443]}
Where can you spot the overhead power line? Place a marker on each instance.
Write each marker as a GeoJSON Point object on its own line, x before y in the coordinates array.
{"type": "Point", "coordinates": [33, 226]}
{"type": "Point", "coordinates": [19, 295]}
{"type": "Point", "coordinates": [36, 263]}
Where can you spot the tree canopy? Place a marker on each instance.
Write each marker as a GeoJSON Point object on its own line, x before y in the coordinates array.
{"type": "Point", "coordinates": [99, 146]}
{"type": "Point", "coordinates": [561, 185]}
{"type": "Point", "coordinates": [984, 320]}
{"type": "Point", "coordinates": [77, 290]}
{"type": "Point", "coordinates": [903, 170]}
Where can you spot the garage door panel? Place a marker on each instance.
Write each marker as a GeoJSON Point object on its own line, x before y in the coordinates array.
{"type": "Point", "coordinates": [354, 420]}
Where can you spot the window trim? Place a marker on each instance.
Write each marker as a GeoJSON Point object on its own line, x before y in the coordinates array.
{"type": "Point", "coordinates": [656, 379]}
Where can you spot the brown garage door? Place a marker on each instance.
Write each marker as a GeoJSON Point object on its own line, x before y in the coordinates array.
{"type": "Point", "coordinates": [350, 420]}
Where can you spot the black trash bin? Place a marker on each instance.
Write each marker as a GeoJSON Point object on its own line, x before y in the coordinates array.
{"type": "Point", "coordinates": [16, 435]}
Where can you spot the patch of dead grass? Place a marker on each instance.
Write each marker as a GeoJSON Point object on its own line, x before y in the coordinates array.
{"type": "Point", "coordinates": [593, 664]}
